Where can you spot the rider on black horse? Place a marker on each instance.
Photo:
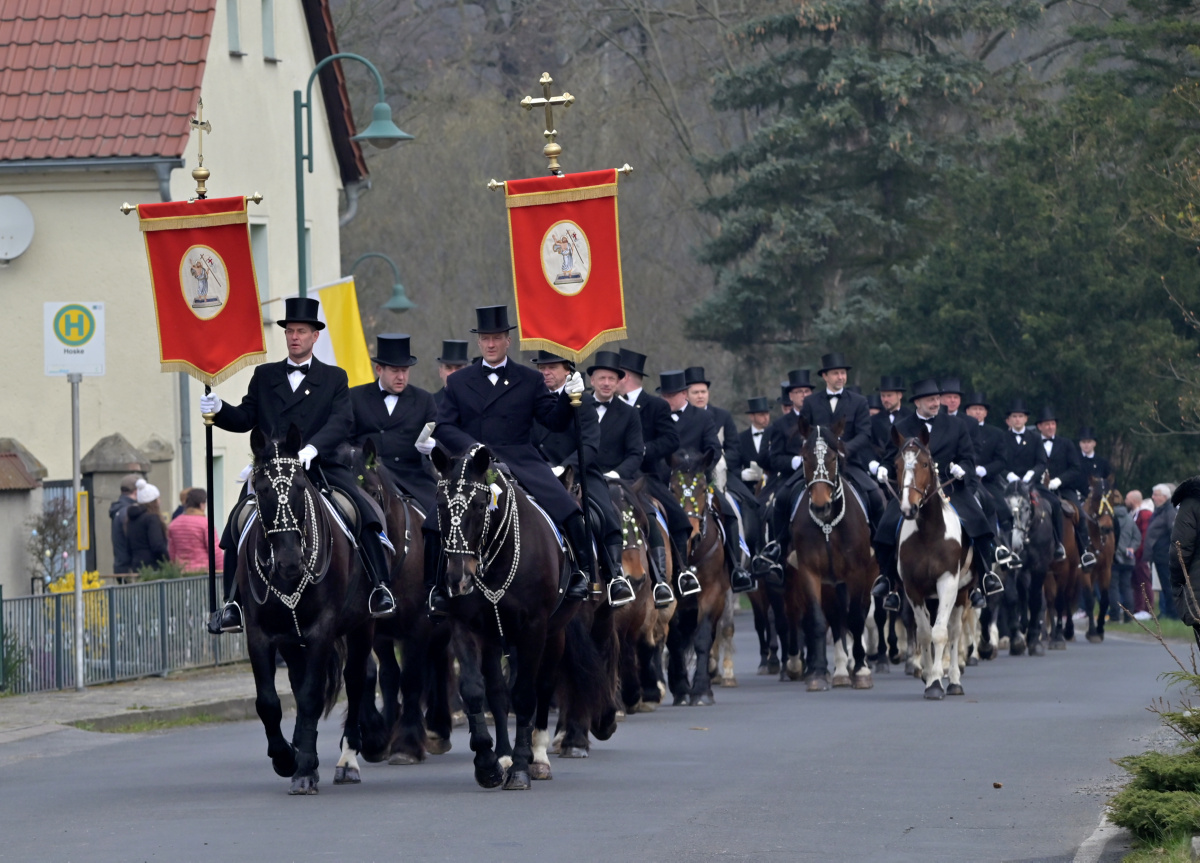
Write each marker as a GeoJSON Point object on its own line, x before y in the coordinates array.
{"type": "Point", "coordinates": [315, 397]}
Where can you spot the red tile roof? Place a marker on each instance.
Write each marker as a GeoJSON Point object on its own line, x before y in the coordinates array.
{"type": "Point", "coordinates": [100, 78]}
{"type": "Point", "coordinates": [13, 474]}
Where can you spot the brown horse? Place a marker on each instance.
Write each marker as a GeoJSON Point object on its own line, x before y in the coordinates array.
{"type": "Point", "coordinates": [934, 562]}
{"type": "Point", "coordinates": [1101, 518]}
{"type": "Point", "coordinates": [697, 615]}
{"type": "Point", "coordinates": [1063, 583]}
{"type": "Point", "coordinates": [834, 564]}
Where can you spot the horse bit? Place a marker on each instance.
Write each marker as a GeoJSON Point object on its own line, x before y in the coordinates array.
{"type": "Point", "coordinates": [821, 475]}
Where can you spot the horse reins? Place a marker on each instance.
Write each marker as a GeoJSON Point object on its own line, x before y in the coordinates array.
{"type": "Point", "coordinates": [821, 475]}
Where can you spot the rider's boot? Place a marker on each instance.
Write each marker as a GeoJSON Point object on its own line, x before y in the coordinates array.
{"type": "Point", "coordinates": [1056, 522]}
{"type": "Point", "coordinates": [1087, 555]}
{"type": "Point", "coordinates": [767, 564]}
{"type": "Point", "coordinates": [885, 588]}
{"type": "Point", "coordinates": [380, 603]}
{"type": "Point", "coordinates": [438, 603]}
{"type": "Point", "coordinates": [581, 544]}
{"type": "Point", "coordinates": [620, 591]}
{"type": "Point", "coordinates": [740, 580]}
{"type": "Point", "coordinates": [989, 558]}
{"type": "Point", "coordinates": [229, 617]}
{"type": "Point", "coordinates": [686, 581]}
{"type": "Point", "coordinates": [658, 571]}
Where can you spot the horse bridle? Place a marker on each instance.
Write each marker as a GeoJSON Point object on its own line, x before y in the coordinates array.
{"type": "Point", "coordinates": [688, 492]}
{"type": "Point", "coordinates": [910, 467]}
{"type": "Point", "coordinates": [454, 540]}
{"type": "Point", "coordinates": [821, 475]}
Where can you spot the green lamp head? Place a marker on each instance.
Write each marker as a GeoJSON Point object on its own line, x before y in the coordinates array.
{"type": "Point", "coordinates": [382, 132]}
{"type": "Point", "coordinates": [399, 301]}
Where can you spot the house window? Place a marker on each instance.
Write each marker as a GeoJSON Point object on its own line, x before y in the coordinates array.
{"type": "Point", "coordinates": [268, 30]}
{"type": "Point", "coordinates": [262, 267]}
{"type": "Point", "coordinates": [217, 503]}
{"type": "Point", "coordinates": [235, 29]}
{"type": "Point", "coordinates": [308, 255]}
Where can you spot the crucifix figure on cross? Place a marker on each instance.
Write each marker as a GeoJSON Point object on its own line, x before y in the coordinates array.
{"type": "Point", "coordinates": [552, 150]}
{"type": "Point", "coordinates": [200, 174]}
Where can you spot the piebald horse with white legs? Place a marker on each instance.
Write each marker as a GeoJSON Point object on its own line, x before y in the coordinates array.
{"type": "Point", "coordinates": [934, 563]}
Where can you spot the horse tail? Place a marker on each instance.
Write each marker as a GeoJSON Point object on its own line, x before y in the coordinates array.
{"type": "Point", "coordinates": [333, 674]}
{"type": "Point", "coordinates": [586, 679]}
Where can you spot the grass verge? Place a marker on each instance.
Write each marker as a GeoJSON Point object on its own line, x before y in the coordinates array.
{"type": "Point", "coordinates": [1171, 629]}
{"type": "Point", "coordinates": [1175, 849]}
{"type": "Point", "coordinates": [141, 726]}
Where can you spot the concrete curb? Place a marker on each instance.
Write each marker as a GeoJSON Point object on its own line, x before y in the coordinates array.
{"type": "Point", "coordinates": [226, 710]}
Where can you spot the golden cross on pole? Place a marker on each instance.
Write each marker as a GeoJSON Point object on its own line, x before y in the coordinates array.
{"type": "Point", "coordinates": [200, 173]}
{"type": "Point", "coordinates": [552, 150]}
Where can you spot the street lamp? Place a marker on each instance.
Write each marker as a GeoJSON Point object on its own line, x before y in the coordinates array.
{"type": "Point", "coordinates": [399, 301]}
{"type": "Point", "coordinates": [382, 133]}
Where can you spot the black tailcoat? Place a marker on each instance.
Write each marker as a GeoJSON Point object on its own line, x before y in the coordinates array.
{"type": "Point", "coordinates": [621, 444]}
{"type": "Point", "coordinates": [659, 434]}
{"type": "Point", "coordinates": [1097, 466]}
{"type": "Point", "coordinates": [881, 428]}
{"type": "Point", "coordinates": [1023, 453]}
{"type": "Point", "coordinates": [747, 452]}
{"type": "Point", "coordinates": [501, 415]}
{"type": "Point", "coordinates": [851, 407]}
{"type": "Point", "coordinates": [395, 435]}
{"type": "Point", "coordinates": [697, 431]}
{"type": "Point", "coordinates": [1063, 462]}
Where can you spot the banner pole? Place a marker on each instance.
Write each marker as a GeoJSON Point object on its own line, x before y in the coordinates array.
{"type": "Point", "coordinates": [212, 550]}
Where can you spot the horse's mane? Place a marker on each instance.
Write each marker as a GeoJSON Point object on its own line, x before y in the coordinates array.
{"type": "Point", "coordinates": [688, 461]}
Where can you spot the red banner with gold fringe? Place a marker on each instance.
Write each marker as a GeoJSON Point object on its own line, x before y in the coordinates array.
{"type": "Point", "coordinates": [566, 259]}
{"type": "Point", "coordinates": [205, 290]}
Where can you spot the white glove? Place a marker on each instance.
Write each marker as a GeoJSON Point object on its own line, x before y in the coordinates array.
{"type": "Point", "coordinates": [245, 474]}
{"type": "Point", "coordinates": [612, 474]}
{"type": "Point", "coordinates": [425, 447]}
{"type": "Point", "coordinates": [574, 384]}
{"type": "Point", "coordinates": [752, 474]}
{"type": "Point", "coordinates": [1054, 484]}
{"type": "Point", "coordinates": [306, 455]}
{"type": "Point", "coordinates": [1012, 477]}
{"type": "Point", "coordinates": [796, 462]}
{"type": "Point", "coordinates": [1028, 476]}
{"type": "Point", "coordinates": [882, 474]}
{"type": "Point", "coordinates": [872, 467]}
{"type": "Point", "coordinates": [558, 470]}
{"type": "Point", "coordinates": [956, 471]}
{"type": "Point", "coordinates": [210, 404]}
{"type": "Point", "coordinates": [980, 471]}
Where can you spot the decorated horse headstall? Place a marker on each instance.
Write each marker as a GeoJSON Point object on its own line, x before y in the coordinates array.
{"type": "Point", "coordinates": [689, 494]}
{"type": "Point", "coordinates": [631, 533]}
{"type": "Point", "coordinates": [910, 467]}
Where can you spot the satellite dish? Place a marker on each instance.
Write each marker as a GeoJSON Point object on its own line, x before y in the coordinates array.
{"type": "Point", "coordinates": [16, 227]}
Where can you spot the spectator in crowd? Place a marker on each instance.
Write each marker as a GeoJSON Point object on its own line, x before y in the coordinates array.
{"type": "Point", "coordinates": [187, 535]}
{"type": "Point", "coordinates": [1129, 540]}
{"type": "Point", "coordinates": [1184, 562]}
{"type": "Point", "coordinates": [144, 529]}
{"type": "Point", "coordinates": [116, 512]}
{"type": "Point", "coordinates": [1156, 546]}
{"type": "Point", "coordinates": [1141, 510]}
{"type": "Point", "coordinates": [179, 510]}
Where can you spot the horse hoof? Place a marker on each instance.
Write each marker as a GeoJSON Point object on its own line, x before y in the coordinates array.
{"type": "Point", "coordinates": [882, 666]}
{"type": "Point", "coordinates": [763, 670]}
{"type": "Point", "coordinates": [704, 699]}
{"type": "Point", "coordinates": [538, 770]}
{"type": "Point", "coordinates": [841, 680]}
{"type": "Point", "coordinates": [403, 759]}
{"type": "Point", "coordinates": [346, 775]}
{"type": "Point", "coordinates": [819, 683]}
{"type": "Point", "coordinates": [1095, 638]}
{"type": "Point", "coordinates": [1038, 648]}
{"type": "Point", "coordinates": [284, 764]}
{"type": "Point", "coordinates": [518, 780]}
{"type": "Point", "coordinates": [1003, 643]}
{"type": "Point", "coordinates": [1058, 644]}
{"type": "Point", "coordinates": [972, 661]}
{"type": "Point", "coordinates": [435, 745]}
{"type": "Point", "coordinates": [573, 752]}
{"type": "Point", "coordinates": [490, 776]}
{"type": "Point", "coordinates": [862, 681]}
{"type": "Point", "coordinates": [773, 666]}
{"type": "Point", "coordinates": [645, 707]}
{"type": "Point", "coordinates": [987, 653]}
{"type": "Point", "coordinates": [680, 700]}
{"type": "Point", "coordinates": [910, 668]}
{"type": "Point", "coordinates": [934, 691]}
{"type": "Point", "coordinates": [729, 682]}
{"type": "Point", "coordinates": [955, 689]}
{"type": "Point", "coordinates": [302, 785]}
{"type": "Point", "coordinates": [1017, 647]}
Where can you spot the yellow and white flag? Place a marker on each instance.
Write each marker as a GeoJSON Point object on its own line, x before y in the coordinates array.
{"type": "Point", "coordinates": [342, 343]}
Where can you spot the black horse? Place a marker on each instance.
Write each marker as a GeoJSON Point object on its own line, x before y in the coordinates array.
{"type": "Point", "coordinates": [307, 599]}
{"type": "Point", "coordinates": [1033, 542]}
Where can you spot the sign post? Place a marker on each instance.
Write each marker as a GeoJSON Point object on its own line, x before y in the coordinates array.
{"type": "Point", "coordinates": [74, 347]}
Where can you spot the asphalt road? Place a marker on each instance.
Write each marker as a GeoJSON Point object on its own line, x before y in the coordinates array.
{"type": "Point", "coordinates": [769, 772]}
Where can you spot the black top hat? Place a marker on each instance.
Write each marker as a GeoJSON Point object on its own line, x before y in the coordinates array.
{"type": "Point", "coordinates": [758, 405]}
{"type": "Point", "coordinates": [891, 384]}
{"type": "Point", "coordinates": [695, 375]}
{"type": "Point", "coordinates": [301, 310]}
{"type": "Point", "coordinates": [492, 319]}
{"type": "Point", "coordinates": [454, 352]}
{"type": "Point", "coordinates": [833, 361]}
{"type": "Point", "coordinates": [673, 381]}
{"type": "Point", "coordinates": [1017, 406]}
{"type": "Point", "coordinates": [632, 361]}
{"type": "Point", "coordinates": [610, 360]}
{"type": "Point", "coordinates": [1086, 433]}
{"type": "Point", "coordinates": [874, 402]}
{"type": "Point", "coordinates": [927, 387]}
{"type": "Point", "coordinates": [393, 350]}
{"type": "Point", "coordinates": [978, 398]}
{"type": "Point", "coordinates": [1047, 414]}
{"type": "Point", "coordinates": [952, 386]}
{"type": "Point", "coordinates": [798, 378]}
{"type": "Point", "coordinates": [784, 393]}
{"type": "Point", "coordinates": [854, 388]}
{"type": "Point", "coordinates": [547, 357]}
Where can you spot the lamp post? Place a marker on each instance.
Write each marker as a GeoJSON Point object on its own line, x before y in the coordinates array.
{"type": "Point", "coordinates": [382, 133]}
{"type": "Point", "coordinates": [399, 301]}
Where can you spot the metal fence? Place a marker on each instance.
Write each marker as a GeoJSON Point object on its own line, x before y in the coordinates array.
{"type": "Point", "coordinates": [131, 630]}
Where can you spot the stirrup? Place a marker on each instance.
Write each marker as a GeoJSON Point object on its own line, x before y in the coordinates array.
{"type": "Point", "coordinates": [617, 603]}
{"type": "Point", "coordinates": [977, 599]}
{"type": "Point", "coordinates": [1005, 556]}
{"type": "Point", "coordinates": [1087, 560]}
{"type": "Point", "coordinates": [663, 595]}
{"type": "Point", "coordinates": [882, 586]}
{"type": "Point", "coordinates": [1060, 552]}
{"type": "Point", "coordinates": [740, 581]}
{"type": "Point", "coordinates": [891, 602]}
{"type": "Point", "coordinates": [687, 582]}
{"type": "Point", "coordinates": [218, 626]}
{"type": "Point", "coordinates": [381, 603]}
{"type": "Point", "coordinates": [435, 610]}
{"type": "Point", "coordinates": [992, 583]}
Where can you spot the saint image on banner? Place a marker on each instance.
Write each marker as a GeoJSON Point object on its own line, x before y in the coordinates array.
{"type": "Point", "coordinates": [565, 258]}
{"type": "Point", "coordinates": [203, 279]}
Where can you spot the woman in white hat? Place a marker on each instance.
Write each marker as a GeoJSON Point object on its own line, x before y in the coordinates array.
{"type": "Point", "coordinates": [144, 528]}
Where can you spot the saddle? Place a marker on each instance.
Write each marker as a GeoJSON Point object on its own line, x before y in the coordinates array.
{"type": "Point", "coordinates": [1069, 510]}
{"type": "Point", "coordinates": [245, 509]}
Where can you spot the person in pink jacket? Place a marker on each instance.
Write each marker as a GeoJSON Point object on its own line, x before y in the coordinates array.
{"type": "Point", "coordinates": [187, 535]}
